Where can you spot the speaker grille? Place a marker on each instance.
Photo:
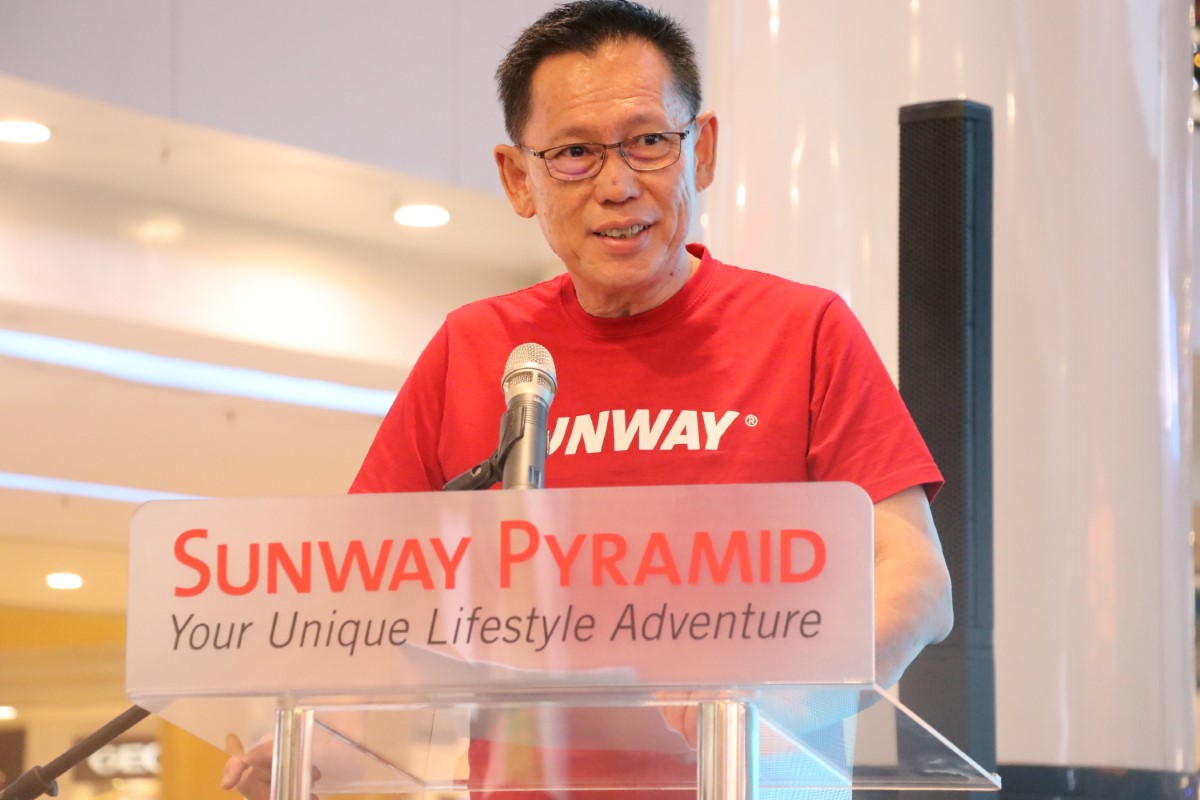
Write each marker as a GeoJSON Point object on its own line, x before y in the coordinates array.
{"type": "Point", "coordinates": [946, 381]}
{"type": "Point", "coordinates": [945, 326]}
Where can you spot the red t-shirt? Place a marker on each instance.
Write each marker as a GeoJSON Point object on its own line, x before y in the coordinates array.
{"type": "Point", "coordinates": [741, 377]}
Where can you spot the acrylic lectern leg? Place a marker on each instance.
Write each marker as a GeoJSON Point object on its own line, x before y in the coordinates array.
{"type": "Point", "coordinates": [291, 770]}
{"type": "Point", "coordinates": [727, 744]}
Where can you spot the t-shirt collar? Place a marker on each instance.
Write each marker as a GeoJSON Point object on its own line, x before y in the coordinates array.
{"type": "Point", "coordinates": [660, 315]}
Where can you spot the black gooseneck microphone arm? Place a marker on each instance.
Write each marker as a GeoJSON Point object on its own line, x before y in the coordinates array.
{"type": "Point", "coordinates": [488, 473]}
{"type": "Point", "coordinates": [37, 781]}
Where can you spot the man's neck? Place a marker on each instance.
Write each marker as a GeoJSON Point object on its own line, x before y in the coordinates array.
{"type": "Point", "coordinates": [615, 307]}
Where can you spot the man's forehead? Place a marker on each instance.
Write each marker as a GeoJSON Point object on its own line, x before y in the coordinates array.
{"type": "Point", "coordinates": [622, 85]}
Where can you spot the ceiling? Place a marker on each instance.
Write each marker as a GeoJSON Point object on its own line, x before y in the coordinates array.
{"type": "Point", "coordinates": [173, 163]}
{"type": "Point", "coordinates": [80, 425]}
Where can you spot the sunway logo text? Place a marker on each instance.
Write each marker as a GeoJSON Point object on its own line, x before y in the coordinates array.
{"type": "Point", "coordinates": [618, 431]}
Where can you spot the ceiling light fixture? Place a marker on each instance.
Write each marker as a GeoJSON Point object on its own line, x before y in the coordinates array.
{"type": "Point", "coordinates": [178, 373]}
{"type": "Point", "coordinates": [422, 216]}
{"type": "Point", "coordinates": [159, 230]}
{"type": "Point", "coordinates": [8, 712]}
{"type": "Point", "coordinates": [64, 580]}
{"type": "Point", "coordinates": [19, 131]}
{"type": "Point", "coordinates": [99, 491]}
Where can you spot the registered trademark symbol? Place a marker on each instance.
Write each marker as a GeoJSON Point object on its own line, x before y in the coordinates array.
{"type": "Point", "coordinates": [751, 420]}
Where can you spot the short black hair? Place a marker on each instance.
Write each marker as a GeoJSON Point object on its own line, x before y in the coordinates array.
{"type": "Point", "coordinates": [582, 27]}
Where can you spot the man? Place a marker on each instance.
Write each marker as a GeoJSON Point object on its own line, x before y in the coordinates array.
{"type": "Point", "coordinates": [672, 367]}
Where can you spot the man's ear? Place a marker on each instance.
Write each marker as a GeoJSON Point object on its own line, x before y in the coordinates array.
{"type": "Point", "coordinates": [706, 150]}
{"type": "Point", "coordinates": [514, 176]}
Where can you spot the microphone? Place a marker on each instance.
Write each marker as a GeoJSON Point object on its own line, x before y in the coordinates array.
{"type": "Point", "coordinates": [529, 385]}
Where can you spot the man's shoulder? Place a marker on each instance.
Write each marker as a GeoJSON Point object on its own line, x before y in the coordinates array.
{"type": "Point", "coordinates": [525, 302]}
{"type": "Point", "coordinates": [744, 281]}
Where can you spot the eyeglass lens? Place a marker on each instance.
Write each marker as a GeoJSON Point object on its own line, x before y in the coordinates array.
{"type": "Point", "coordinates": [648, 151]}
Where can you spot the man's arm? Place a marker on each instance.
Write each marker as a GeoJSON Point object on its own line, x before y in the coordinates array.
{"type": "Point", "coordinates": [913, 606]}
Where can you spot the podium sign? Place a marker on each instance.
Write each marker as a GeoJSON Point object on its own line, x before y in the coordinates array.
{"type": "Point", "coordinates": [386, 633]}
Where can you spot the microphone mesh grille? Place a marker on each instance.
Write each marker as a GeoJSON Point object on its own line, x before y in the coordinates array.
{"type": "Point", "coordinates": [530, 353]}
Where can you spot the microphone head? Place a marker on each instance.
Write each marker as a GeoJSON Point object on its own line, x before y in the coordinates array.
{"type": "Point", "coordinates": [530, 370]}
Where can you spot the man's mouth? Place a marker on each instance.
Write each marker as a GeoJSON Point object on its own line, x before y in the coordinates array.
{"type": "Point", "coordinates": [623, 233]}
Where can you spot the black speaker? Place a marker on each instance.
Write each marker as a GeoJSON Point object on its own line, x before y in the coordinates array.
{"type": "Point", "coordinates": [946, 381]}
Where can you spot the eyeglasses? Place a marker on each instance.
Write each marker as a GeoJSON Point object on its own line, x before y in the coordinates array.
{"type": "Point", "coordinates": [645, 152]}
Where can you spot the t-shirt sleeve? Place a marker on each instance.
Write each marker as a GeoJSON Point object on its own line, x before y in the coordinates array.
{"type": "Point", "coordinates": [861, 430]}
{"type": "Point", "coordinates": [403, 456]}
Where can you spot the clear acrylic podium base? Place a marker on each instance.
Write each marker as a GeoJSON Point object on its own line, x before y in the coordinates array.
{"type": "Point", "coordinates": [807, 741]}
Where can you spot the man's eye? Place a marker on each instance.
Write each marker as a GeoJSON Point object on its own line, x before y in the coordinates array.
{"type": "Point", "coordinates": [573, 151]}
{"type": "Point", "coordinates": [648, 139]}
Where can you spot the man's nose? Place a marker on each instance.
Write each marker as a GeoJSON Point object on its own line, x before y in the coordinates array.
{"type": "Point", "coordinates": [616, 181]}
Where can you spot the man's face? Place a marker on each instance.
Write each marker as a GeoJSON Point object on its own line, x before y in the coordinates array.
{"type": "Point", "coordinates": [621, 90]}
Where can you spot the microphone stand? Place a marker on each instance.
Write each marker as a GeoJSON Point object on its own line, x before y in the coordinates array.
{"type": "Point", "coordinates": [488, 473]}
{"type": "Point", "coordinates": [43, 780]}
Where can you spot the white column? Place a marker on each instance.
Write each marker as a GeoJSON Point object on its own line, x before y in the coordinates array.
{"type": "Point", "coordinates": [1093, 564]}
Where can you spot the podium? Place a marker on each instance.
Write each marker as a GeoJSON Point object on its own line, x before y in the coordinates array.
{"type": "Point", "coordinates": [707, 640]}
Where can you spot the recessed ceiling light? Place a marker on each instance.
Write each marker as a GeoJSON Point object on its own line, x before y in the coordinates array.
{"type": "Point", "coordinates": [8, 712]}
{"type": "Point", "coordinates": [19, 131]}
{"type": "Point", "coordinates": [159, 230]}
{"type": "Point", "coordinates": [422, 216]}
{"type": "Point", "coordinates": [63, 580]}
